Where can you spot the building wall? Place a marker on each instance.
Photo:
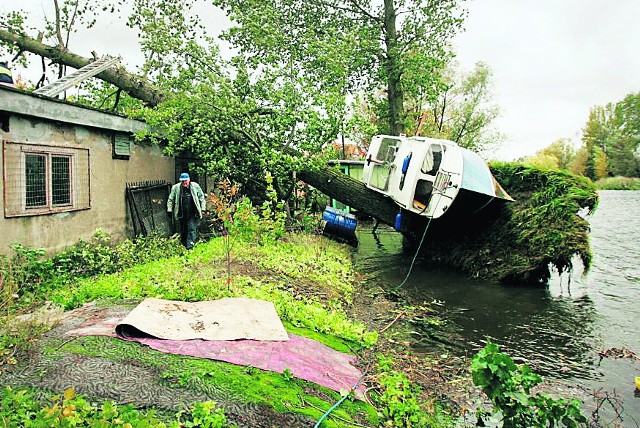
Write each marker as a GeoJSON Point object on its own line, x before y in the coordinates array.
{"type": "Point", "coordinates": [107, 182]}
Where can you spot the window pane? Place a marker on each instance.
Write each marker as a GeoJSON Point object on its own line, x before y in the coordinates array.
{"type": "Point", "coordinates": [61, 180]}
{"type": "Point", "coordinates": [35, 180]}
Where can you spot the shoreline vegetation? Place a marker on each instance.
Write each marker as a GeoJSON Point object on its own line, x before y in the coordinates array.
{"type": "Point", "coordinates": [618, 183]}
{"type": "Point", "coordinates": [48, 379]}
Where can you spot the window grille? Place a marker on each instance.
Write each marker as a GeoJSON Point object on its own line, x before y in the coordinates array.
{"type": "Point", "coordinates": [35, 179]}
{"type": "Point", "coordinates": [61, 180]}
{"type": "Point", "coordinates": [41, 179]}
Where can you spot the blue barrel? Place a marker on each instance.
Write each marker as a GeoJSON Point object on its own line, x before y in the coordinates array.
{"type": "Point", "coordinates": [339, 224]}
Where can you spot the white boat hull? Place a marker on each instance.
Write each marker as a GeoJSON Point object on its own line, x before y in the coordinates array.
{"type": "Point", "coordinates": [426, 176]}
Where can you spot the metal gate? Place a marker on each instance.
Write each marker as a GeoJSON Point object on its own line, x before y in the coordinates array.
{"type": "Point", "coordinates": [148, 207]}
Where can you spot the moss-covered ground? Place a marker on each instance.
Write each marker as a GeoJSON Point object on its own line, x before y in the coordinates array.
{"type": "Point", "coordinates": [311, 282]}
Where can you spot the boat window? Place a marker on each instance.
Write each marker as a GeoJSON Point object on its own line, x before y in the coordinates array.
{"type": "Point", "coordinates": [380, 175]}
{"type": "Point", "coordinates": [433, 159]}
{"type": "Point", "coordinates": [387, 150]}
{"type": "Point", "coordinates": [422, 194]}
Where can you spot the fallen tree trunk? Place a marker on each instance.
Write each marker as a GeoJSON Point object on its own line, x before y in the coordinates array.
{"type": "Point", "coordinates": [345, 189]}
{"type": "Point", "coordinates": [128, 82]}
{"type": "Point", "coordinates": [514, 242]}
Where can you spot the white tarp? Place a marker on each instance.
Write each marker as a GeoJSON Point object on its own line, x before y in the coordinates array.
{"type": "Point", "coordinates": [224, 319]}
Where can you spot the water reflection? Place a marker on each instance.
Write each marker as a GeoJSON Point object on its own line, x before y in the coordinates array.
{"type": "Point", "coordinates": [558, 330]}
{"type": "Point", "coordinates": [550, 333]}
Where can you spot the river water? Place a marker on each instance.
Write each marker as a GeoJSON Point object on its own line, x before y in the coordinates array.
{"type": "Point", "coordinates": [558, 330]}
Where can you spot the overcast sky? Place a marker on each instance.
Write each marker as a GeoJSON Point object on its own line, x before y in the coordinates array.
{"type": "Point", "coordinates": [552, 60]}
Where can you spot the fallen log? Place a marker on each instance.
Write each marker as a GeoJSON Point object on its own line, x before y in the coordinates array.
{"type": "Point", "coordinates": [134, 85]}
{"type": "Point", "coordinates": [513, 242]}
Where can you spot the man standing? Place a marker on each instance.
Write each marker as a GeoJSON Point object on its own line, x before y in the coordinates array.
{"type": "Point", "coordinates": [185, 205]}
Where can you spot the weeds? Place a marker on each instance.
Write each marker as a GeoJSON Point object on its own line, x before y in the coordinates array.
{"type": "Point", "coordinates": [21, 408]}
{"type": "Point", "coordinates": [17, 336]}
{"type": "Point", "coordinates": [400, 401]}
{"type": "Point", "coordinates": [33, 275]}
{"type": "Point", "coordinates": [508, 386]}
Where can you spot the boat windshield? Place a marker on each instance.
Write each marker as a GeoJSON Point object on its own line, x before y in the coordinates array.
{"type": "Point", "coordinates": [433, 159]}
{"type": "Point", "coordinates": [387, 150]}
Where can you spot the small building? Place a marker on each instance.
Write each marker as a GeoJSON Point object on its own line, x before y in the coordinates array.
{"type": "Point", "coordinates": [65, 171]}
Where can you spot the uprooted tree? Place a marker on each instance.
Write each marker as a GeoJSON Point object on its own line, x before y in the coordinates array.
{"type": "Point", "coordinates": [279, 119]}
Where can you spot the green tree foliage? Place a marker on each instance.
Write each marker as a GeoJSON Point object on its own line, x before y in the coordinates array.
{"type": "Point", "coordinates": [560, 155]}
{"type": "Point", "coordinates": [595, 136]}
{"type": "Point", "coordinates": [285, 92]}
{"type": "Point", "coordinates": [346, 45]}
{"type": "Point", "coordinates": [622, 149]}
{"type": "Point", "coordinates": [611, 137]}
{"type": "Point", "coordinates": [462, 111]}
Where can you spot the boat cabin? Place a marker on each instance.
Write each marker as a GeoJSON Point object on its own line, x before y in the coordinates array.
{"type": "Point", "coordinates": [426, 175]}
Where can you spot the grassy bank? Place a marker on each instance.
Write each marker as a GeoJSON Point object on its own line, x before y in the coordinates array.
{"type": "Point", "coordinates": [309, 279]}
{"type": "Point", "coordinates": [618, 183]}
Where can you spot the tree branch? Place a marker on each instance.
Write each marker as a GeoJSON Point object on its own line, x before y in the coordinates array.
{"type": "Point", "coordinates": [358, 10]}
{"type": "Point", "coordinates": [130, 83]}
{"type": "Point", "coordinates": [58, 29]}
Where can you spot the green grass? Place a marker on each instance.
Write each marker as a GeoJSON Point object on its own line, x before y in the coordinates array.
{"type": "Point", "coordinates": [200, 275]}
{"type": "Point", "coordinates": [618, 183]}
{"type": "Point", "coordinates": [238, 383]}
{"type": "Point", "coordinates": [308, 278]}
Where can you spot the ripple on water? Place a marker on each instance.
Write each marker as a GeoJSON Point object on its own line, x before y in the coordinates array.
{"type": "Point", "coordinates": [559, 333]}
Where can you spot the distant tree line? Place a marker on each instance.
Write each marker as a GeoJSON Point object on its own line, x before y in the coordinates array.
{"type": "Point", "coordinates": [610, 143]}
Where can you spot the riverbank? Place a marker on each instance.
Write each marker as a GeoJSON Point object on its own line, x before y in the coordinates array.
{"type": "Point", "coordinates": [618, 183]}
{"type": "Point", "coordinates": [313, 286]}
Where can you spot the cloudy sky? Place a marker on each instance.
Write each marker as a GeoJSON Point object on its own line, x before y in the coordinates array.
{"type": "Point", "coordinates": [552, 60]}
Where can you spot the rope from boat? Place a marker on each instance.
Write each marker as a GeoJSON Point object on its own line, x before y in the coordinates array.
{"type": "Point", "coordinates": [415, 256]}
{"type": "Point", "coordinates": [355, 386]}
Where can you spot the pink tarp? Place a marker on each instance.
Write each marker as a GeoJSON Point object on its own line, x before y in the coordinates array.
{"type": "Point", "coordinates": [306, 359]}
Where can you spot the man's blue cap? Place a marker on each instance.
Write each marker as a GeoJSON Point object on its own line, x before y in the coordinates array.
{"type": "Point", "coordinates": [184, 176]}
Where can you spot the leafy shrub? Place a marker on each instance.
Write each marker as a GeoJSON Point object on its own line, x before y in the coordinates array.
{"type": "Point", "coordinates": [21, 408]}
{"type": "Point", "coordinates": [33, 272]}
{"type": "Point", "coordinates": [28, 268]}
{"type": "Point", "coordinates": [508, 386]}
{"type": "Point", "coordinates": [86, 258]}
{"type": "Point", "coordinates": [399, 401]}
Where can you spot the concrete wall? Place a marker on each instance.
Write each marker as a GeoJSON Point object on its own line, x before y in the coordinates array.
{"type": "Point", "coordinates": [107, 176]}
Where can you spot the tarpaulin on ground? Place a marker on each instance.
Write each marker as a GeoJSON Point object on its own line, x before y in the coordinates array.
{"type": "Point", "coordinates": [223, 319]}
{"type": "Point", "coordinates": [305, 358]}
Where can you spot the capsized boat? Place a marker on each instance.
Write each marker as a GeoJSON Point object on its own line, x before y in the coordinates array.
{"type": "Point", "coordinates": [430, 177]}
